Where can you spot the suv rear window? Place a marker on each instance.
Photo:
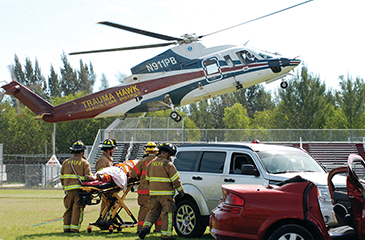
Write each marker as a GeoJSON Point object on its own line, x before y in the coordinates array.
{"type": "Point", "coordinates": [212, 162]}
{"type": "Point", "coordinates": [185, 161]}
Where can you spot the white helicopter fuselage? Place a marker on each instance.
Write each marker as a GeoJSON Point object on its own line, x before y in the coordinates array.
{"type": "Point", "coordinates": [202, 73]}
{"type": "Point", "coordinates": [181, 75]}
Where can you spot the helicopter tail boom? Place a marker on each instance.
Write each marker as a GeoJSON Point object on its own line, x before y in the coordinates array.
{"type": "Point", "coordinates": [34, 102]}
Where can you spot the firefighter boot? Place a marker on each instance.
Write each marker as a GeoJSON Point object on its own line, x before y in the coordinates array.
{"type": "Point", "coordinates": [143, 233]}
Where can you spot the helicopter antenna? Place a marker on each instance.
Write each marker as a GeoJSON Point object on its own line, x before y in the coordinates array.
{"type": "Point", "coordinates": [252, 20]}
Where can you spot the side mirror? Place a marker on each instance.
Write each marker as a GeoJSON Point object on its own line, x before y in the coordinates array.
{"type": "Point", "coordinates": [249, 169]}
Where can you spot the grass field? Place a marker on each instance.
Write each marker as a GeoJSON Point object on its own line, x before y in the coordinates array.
{"type": "Point", "coordinates": [37, 214]}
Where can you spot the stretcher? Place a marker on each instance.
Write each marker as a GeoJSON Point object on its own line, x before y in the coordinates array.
{"type": "Point", "coordinates": [109, 189]}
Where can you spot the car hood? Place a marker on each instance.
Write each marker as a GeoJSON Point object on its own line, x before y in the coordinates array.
{"type": "Point", "coordinates": [318, 178]}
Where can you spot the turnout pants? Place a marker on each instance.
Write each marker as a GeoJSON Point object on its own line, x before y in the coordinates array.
{"type": "Point", "coordinates": [73, 216]}
{"type": "Point", "coordinates": [164, 206]}
{"type": "Point", "coordinates": [143, 200]}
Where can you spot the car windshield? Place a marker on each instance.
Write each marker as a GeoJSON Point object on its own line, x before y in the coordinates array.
{"type": "Point", "coordinates": [288, 160]}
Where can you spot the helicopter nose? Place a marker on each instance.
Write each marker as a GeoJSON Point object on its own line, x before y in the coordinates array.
{"type": "Point", "coordinates": [278, 64]}
{"type": "Point", "coordinates": [295, 62]}
{"type": "Point", "coordinates": [287, 62]}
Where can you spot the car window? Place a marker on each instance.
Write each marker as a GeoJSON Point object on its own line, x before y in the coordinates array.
{"type": "Point", "coordinates": [237, 160]}
{"type": "Point", "coordinates": [185, 161]}
{"type": "Point", "coordinates": [288, 160]}
{"type": "Point", "coordinates": [212, 162]}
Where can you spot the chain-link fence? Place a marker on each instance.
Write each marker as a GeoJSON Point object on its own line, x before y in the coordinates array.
{"type": "Point", "coordinates": [238, 135]}
{"type": "Point", "coordinates": [30, 175]}
{"type": "Point", "coordinates": [33, 172]}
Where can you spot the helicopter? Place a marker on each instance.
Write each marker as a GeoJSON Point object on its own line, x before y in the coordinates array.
{"type": "Point", "coordinates": [184, 74]}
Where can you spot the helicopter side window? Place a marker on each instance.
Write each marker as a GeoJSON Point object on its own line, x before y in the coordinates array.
{"type": "Point", "coordinates": [246, 57]}
{"type": "Point", "coordinates": [229, 61]}
{"type": "Point", "coordinates": [211, 66]}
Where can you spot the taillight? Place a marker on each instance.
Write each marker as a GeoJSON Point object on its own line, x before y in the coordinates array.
{"type": "Point", "coordinates": [232, 199]}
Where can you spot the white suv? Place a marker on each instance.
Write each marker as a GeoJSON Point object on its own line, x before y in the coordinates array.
{"type": "Point", "coordinates": [205, 167]}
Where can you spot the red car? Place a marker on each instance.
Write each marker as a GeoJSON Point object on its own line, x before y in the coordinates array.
{"type": "Point", "coordinates": [291, 210]}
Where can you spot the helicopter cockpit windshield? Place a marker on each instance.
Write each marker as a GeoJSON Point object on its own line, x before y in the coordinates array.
{"type": "Point", "coordinates": [264, 54]}
{"type": "Point", "coordinates": [247, 57]}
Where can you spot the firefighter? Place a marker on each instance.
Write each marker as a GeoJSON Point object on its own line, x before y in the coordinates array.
{"type": "Point", "coordinates": [163, 179]}
{"type": "Point", "coordinates": [73, 172]}
{"type": "Point", "coordinates": [105, 160]}
{"type": "Point", "coordinates": [139, 171]}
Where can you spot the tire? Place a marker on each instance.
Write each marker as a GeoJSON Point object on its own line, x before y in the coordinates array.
{"type": "Point", "coordinates": [291, 231]}
{"type": "Point", "coordinates": [174, 115]}
{"type": "Point", "coordinates": [283, 85]}
{"type": "Point", "coordinates": [178, 119]}
{"type": "Point", "coordinates": [188, 222]}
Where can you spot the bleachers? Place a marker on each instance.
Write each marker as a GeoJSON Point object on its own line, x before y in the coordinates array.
{"type": "Point", "coordinates": [332, 155]}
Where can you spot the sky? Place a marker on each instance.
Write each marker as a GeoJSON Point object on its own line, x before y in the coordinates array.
{"type": "Point", "coordinates": [326, 34]}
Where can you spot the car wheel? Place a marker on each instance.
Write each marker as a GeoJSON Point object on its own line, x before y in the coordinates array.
{"type": "Point", "coordinates": [188, 221]}
{"type": "Point", "coordinates": [291, 231]}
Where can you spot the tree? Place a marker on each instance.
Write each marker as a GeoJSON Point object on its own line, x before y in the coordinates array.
{"type": "Point", "coordinates": [351, 99]}
{"type": "Point", "coordinates": [18, 71]}
{"type": "Point", "coordinates": [83, 81]}
{"type": "Point", "coordinates": [200, 114]}
{"type": "Point", "coordinates": [104, 82]}
{"type": "Point", "coordinates": [40, 84]}
{"type": "Point", "coordinates": [254, 99]}
{"type": "Point", "coordinates": [257, 99]}
{"type": "Point", "coordinates": [29, 74]}
{"type": "Point", "coordinates": [22, 134]}
{"type": "Point", "coordinates": [303, 103]}
{"type": "Point", "coordinates": [54, 84]}
{"type": "Point", "coordinates": [86, 78]}
{"type": "Point", "coordinates": [69, 82]}
{"type": "Point", "coordinates": [236, 117]}
{"type": "Point", "coordinates": [335, 118]}
{"type": "Point", "coordinates": [263, 120]}
{"type": "Point", "coordinates": [91, 77]}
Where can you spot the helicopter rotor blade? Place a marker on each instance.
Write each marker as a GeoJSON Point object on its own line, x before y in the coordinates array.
{"type": "Point", "coordinates": [142, 32]}
{"type": "Point", "coordinates": [125, 48]}
{"type": "Point", "coordinates": [252, 20]}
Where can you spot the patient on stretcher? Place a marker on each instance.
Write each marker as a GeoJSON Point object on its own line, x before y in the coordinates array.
{"type": "Point", "coordinates": [111, 181]}
{"type": "Point", "coordinates": [116, 174]}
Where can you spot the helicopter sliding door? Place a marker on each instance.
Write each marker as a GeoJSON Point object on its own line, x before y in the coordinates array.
{"type": "Point", "coordinates": [212, 69]}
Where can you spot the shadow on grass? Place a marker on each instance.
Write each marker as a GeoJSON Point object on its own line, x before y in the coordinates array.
{"type": "Point", "coordinates": [83, 235]}
{"type": "Point", "coordinates": [100, 235]}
